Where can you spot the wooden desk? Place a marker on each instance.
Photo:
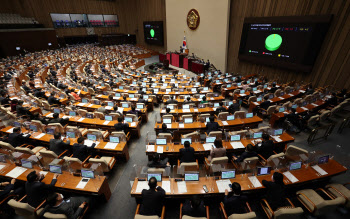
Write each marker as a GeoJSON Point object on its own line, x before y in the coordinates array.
{"type": "Point", "coordinates": [67, 182]}
{"type": "Point", "coordinates": [305, 175]}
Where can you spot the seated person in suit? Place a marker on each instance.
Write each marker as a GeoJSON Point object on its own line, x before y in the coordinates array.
{"type": "Point", "coordinates": [220, 109]}
{"type": "Point", "coordinates": [152, 199]}
{"type": "Point", "coordinates": [249, 152]}
{"type": "Point", "coordinates": [102, 109]}
{"type": "Point", "coordinates": [171, 101]}
{"type": "Point", "coordinates": [25, 87]}
{"type": "Point", "coordinates": [188, 100]}
{"type": "Point", "coordinates": [187, 153]}
{"type": "Point", "coordinates": [194, 207]}
{"type": "Point", "coordinates": [21, 110]}
{"type": "Point", "coordinates": [36, 190]}
{"type": "Point", "coordinates": [120, 126]}
{"type": "Point", "coordinates": [157, 162]}
{"type": "Point", "coordinates": [39, 93]}
{"type": "Point", "coordinates": [294, 118]}
{"type": "Point", "coordinates": [141, 100]}
{"type": "Point", "coordinates": [56, 119]}
{"type": "Point", "coordinates": [274, 88]}
{"type": "Point", "coordinates": [115, 109]}
{"type": "Point", "coordinates": [8, 188]}
{"type": "Point", "coordinates": [234, 107]}
{"type": "Point", "coordinates": [265, 105]}
{"type": "Point", "coordinates": [82, 151]}
{"type": "Point", "coordinates": [266, 147]}
{"type": "Point", "coordinates": [52, 99]}
{"type": "Point", "coordinates": [72, 207]}
{"type": "Point", "coordinates": [218, 151]}
{"type": "Point", "coordinates": [16, 138]}
{"type": "Point", "coordinates": [234, 202]}
{"type": "Point", "coordinates": [134, 111]}
{"type": "Point", "coordinates": [167, 110]}
{"type": "Point", "coordinates": [275, 194]}
{"type": "Point", "coordinates": [38, 116]}
{"type": "Point", "coordinates": [212, 125]}
{"type": "Point", "coordinates": [164, 129]}
{"type": "Point", "coordinates": [57, 145]}
{"type": "Point", "coordinates": [204, 100]}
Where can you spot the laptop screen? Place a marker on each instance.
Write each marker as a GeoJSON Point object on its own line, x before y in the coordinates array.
{"type": "Point", "coordinates": [186, 106]}
{"type": "Point", "coordinates": [27, 164]}
{"type": "Point", "coordinates": [294, 106]}
{"type": "Point", "coordinates": [255, 88]}
{"type": "Point", "coordinates": [207, 119]}
{"type": "Point", "coordinates": [57, 110]}
{"type": "Point", "coordinates": [156, 90]}
{"type": "Point", "coordinates": [55, 169]}
{"type": "Point", "coordinates": [117, 95]}
{"type": "Point", "coordinates": [278, 131]}
{"type": "Point", "coordinates": [161, 141]}
{"type": "Point", "coordinates": [258, 99]}
{"type": "Point", "coordinates": [295, 165]}
{"type": "Point", "coordinates": [128, 119]}
{"type": "Point", "coordinates": [131, 96]}
{"type": "Point", "coordinates": [235, 137]}
{"type": "Point", "coordinates": [205, 88]}
{"type": "Point", "coordinates": [228, 174]}
{"type": "Point", "coordinates": [168, 90]}
{"type": "Point", "coordinates": [183, 140]}
{"type": "Point", "coordinates": [167, 120]}
{"type": "Point", "coordinates": [33, 128]}
{"type": "Point", "coordinates": [72, 113]}
{"type": "Point", "coordinates": [87, 174]}
{"type": "Point", "coordinates": [89, 115]}
{"type": "Point", "coordinates": [121, 87]}
{"type": "Point", "coordinates": [110, 104]}
{"type": "Point", "coordinates": [249, 115]}
{"type": "Point", "coordinates": [230, 117]}
{"type": "Point", "coordinates": [158, 176]}
{"type": "Point", "coordinates": [125, 105]}
{"type": "Point", "coordinates": [191, 176]}
{"type": "Point", "coordinates": [194, 89]}
{"type": "Point", "coordinates": [281, 109]}
{"type": "Point", "coordinates": [50, 131]}
{"type": "Point", "coordinates": [171, 107]}
{"type": "Point", "coordinates": [108, 118]}
{"type": "Point", "coordinates": [91, 137]}
{"type": "Point", "coordinates": [145, 97]}
{"type": "Point", "coordinates": [210, 139]}
{"type": "Point", "coordinates": [84, 100]}
{"type": "Point", "coordinates": [16, 124]}
{"type": "Point", "coordinates": [228, 86]}
{"type": "Point", "coordinates": [216, 104]}
{"type": "Point", "coordinates": [188, 120]}
{"type": "Point", "coordinates": [323, 159]}
{"type": "Point", "coordinates": [70, 134]}
{"type": "Point", "coordinates": [96, 102]}
{"type": "Point", "coordinates": [242, 91]}
{"type": "Point", "coordinates": [264, 170]}
{"type": "Point", "coordinates": [114, 139]}
{"type": "Point", "coordinates": [139, 106]}
{"type": "Point", "coordinates": [257, 135]}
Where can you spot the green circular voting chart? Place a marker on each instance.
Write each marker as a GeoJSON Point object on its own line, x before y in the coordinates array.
{"type": "Point", "coordinates": [152, 32]}
{"type": "Point", "coordinates": [273, 42]}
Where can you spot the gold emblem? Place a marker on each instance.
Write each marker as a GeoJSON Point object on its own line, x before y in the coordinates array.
{"type": "Point", "coordinates": [193, 19]}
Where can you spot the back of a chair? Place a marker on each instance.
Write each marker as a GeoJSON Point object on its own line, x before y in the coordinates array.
{"type": "Point", "coordinates": [287, 105]}
{"type": "Point", "coordinates": [139, 216]}
{"type": "Point", "coordinates": [274, 156]}
{"type": "Point", "coordinates": [91, 91]}
{"type": "Point", "coordinates": [249, 215]}
{"type": "Point", "coordinates": [49, 215]}
{"type": "Point", "coordinates": [133, 116]}
{"type": "Point", "coordinates": [217, 134]}
{"type": "Point", "coordinates": [241, 132]}
{"type": "Point", "coordinates": [115, 116]}
{"type": "Point", "coordinates": [67, 110]}
{"type": "Point", "coordinates": [99, 115]}
{"type": "Point", "coordinates": [75, 130]}
{"type": "Point", "coordinates": [6, 146]}
{"type": "Point", "coordinates": [278, 92]}
{"type": "Point", "coordinates": [22, 209]}
{"type": "Point", "coordinates": [294, 151]}
{"type": "Point", "coordinates": [96, 132]}
{"type": "Point", "coordinates": [288, 212]}
{"type": "Point", "coordinates": [223, 116]}
{"type": "Point", "coordinates": [252, 99]}
{"type": "Point", "coordinates": [168, 137]}
{"type": "Point", "coordinates": [24, 150]}
{"type": "Point", "coordinates": [239, 114]}
{"type": "Point", "coordinates": [297, 101]}
{"type": "Point", "coordinates": [271, 110]}
{"type": "Point", "coordinates": [104, 164]}
{"type": "Point", "coordinates": [57, 126]}
{"type": "Point", "coordinates": [121, 135]}
{"type": "Point", "coordinates": [313, 120]}
{"type": "Point", "coordinates": [73, 163]}
{"type": "Point", "coordinates": [155, 170]}
{"type": "Point", "coordinates": [195, 136]}
{"type": "Point", "coordinates": [324, 116]}
{"type": "Point", "coordinates": [38, 124]}
{"type": "Point", "coordinates": [329, 205]}
{"type": "Point", "coordinates": [251, 161]}
{"type": "Point", "coordinates": [219, 160]}
{"type": "Point", "coordinates": [46, 105]}
{"type": "Point", "coordinates": [82, 112]}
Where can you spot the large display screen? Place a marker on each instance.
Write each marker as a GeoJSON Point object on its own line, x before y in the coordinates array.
{"type": "Point", "coordinates": [288, 42]}
{"type": "Point", "coordinates": [153, 31]}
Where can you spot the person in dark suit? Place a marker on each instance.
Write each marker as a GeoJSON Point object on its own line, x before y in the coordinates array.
{"type": "Point", "coordinates": [57, 145]}
{"type": "Point", "coordinates": [188, 100]}
{"type": "Point", "coordinates": [234, 107]}
{"type": "Point", "coordinates": [234, 202]}
{"type": "Point", "coordinates": [8, 187]}
{"type": "Point", "coordinates": [167, 110]}
{"type": "Point", "coordinates": [21, 110]}
{"type": "Point", "coordinates": [141, 100]}
{"type": "Point", "coordinates": [265, 105]}
{"type": "Point", "coordinates": [134, 111]}
{"type": "Point", "coordinates": [187, 153]}
{"type": "Point", "coordinates": [52, 99]}
{"type": "Point", "coordinates": [157, 162]}
{"type": "Point", "coordinates": [194, 207]}
{"type": "Point", "coordinates": [56, 119]}
{"type": "Point", "coordinates": [171, 101]}
{"type": "Point", "coordinates": [72, 207]}
{"type": "Point", "coordinates": [249, 152]}
{"type": "Point", "coordinates": [164, 129]}
{"type": "Point", "coordinates": [16, 138]}
{"type": "Point", "coordinates": [274, 88]}
{"type": "Point", "coordinates": [152, 199]}
{"type": "Point", "coordinates": [25, 87]}
{"type": "Point", "coordinates": [120, 126]}
{"type": "Point", "coordinates": [39, 93]}
{"type": "Point", "coordinates": [36, 190]}
{"type": "Point", "coordinates": [220, 109]}
{"type": "Point", "coordinates": [212, 125]}
{"type": "Point", "coordinates": [275, 193]}
{"type": "Point", "coordinates": [80, 150]}
{"type": "Point", "coordinates": [266, 148]}
{"type": "Point", "coordinates": [294, 118]}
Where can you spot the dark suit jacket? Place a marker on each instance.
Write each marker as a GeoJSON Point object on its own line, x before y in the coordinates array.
{"type": "Point", "coordinates": [82, 151]}
{"type": "Point", "coordinates": [187, 155]}
{"type": "Point", "coordinates": [37, 191]}
{"type": "Point", "coordinates": [212, 126]}
{"type": "Point", "coordinates": [266, 149]}
{"type": "Point", "coordinates": [275, 194]}
{"type": "Point", "coordinates": [220, 109]}
{"type": "Point", "coordinates": [193, 212]}
{"type": "Point", "coordinates": [152, 201]}
{"type": "Point", "coordinates": [235, 204]}
{"type": "Point", "coordinates": [172, 101]}
{"type": "Point", "coordinates": [17, 139]}
{"type": "Point", "coordinates": [273, 89]}
{"type": "Point", "coordinates": [264, 105]}
{"type": "Point", "coordinates": [59, 120]}
{"type": "Point", "coordinates": [160, 164]}
{"type": "Point", "coordinates": [234, 107]}
{"type": "Point", "coordinates": [246, 155]}
{"type": "Point", "coordinates": [6, 191]}
{"type": "Point", "coordinates": [58, 146]}
{"type": "Point", "coordinates": [122, 127]}
{"type": "Point", "coordinates": [53, 100]}
{"type": "Point", "coordinates": [69, 207]}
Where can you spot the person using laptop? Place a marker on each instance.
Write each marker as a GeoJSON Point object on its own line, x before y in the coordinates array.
{"type": "Point", "coordinates": [141, 100]}
{"type": "Point", "coordinates": [115, 110]}
{"type": "Point", "coordinates": [187, 153]}
{"type": "Point", "coordinates": [194, 207]}
{"type": "Point", "coordinates": [121, 126]}
{"type": "Point", "coordinates": [220, 109]}
{"type": "Point", "coordinates": [16, 138]}
{"type": "Point", "coordinates": [249, 152]}
{"type": "Point", "coordinates": [152, 199]}
{"type": "Point", "coordinates": [212, 125]}
{"type": "Point", "coordinates": [53, 100]}
{"type": "Point", "coordinates": [157, 162]}
{"type": "Point", "coordinates": [82, 151]}
{"type": "Point", "coordinates": [167, 110]}
{"type": "Point", "coordinates": [234, 202]}
{"type": "Point", "coordinates": [57, 145]}
{"type": "Point", "coordinates": [218, 151]}
{"type": "Point", "coordinates": [164, 129]}
{"type": "Point", "coordinates": [36, 190]}
{"type": "Point", "coordinates": [275, 193]}
{"type": "Point", "coordinates": [266, 148]}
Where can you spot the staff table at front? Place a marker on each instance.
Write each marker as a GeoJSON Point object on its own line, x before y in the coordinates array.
{"type": "Point", "coordinates": [304, 175]}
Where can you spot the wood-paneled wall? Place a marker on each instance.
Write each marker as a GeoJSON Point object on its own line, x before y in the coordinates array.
{"type": "Point", "coordinates": [332, 66]}
{"type": "Point", "coordinates": [131, 14]}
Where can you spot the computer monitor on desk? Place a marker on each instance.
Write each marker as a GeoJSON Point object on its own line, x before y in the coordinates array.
{"type": "Point", "coordinates": [50, 131]}
{"type": "Point", "coordinates": [295, 165]}
{"type": "Point", "coordinates": [27, 164]}
{"type": "Point", "coordinates": [161, 141]}
{"type": "Point", "coordinates": [128, 119]}
{"type": "Point", "coordinates": [249, 115]}
{"type": "Point", "coordinates": [114, 139]}
{"type": "Point", "coordinates": [230, 117]}
{"type": "Point", "coordinates": [87, 174]}
{"type": "Point", "coordinates": [278, 132]}
{"type": "Point", "coordinates": [191, 176]}
{"type": "Point", "coordinates": [91, 137]}
{"type": "Point", "coordinates": [89, 115]}
{"type": "Point", "coordinates": [235, 138]}
{"type": "Point", "coordinates": [183, 140]}
{"type": "Point", "coordinates": [323, 159]}
{"type": "Point", "coordinates": [188, 120]}
{"type": "Point", "coordinates": [108, 118]}
{"type": "Point", "coordinates": [167, 120]}
{"type": "Point", "coordinates": [210, 139]}
{"type": "Point", "coordinates": [158, 176]}
{"type": "Point", "coordinates": [257, 135]}
{"type": "Point", "coordinates": [72, 113]}
{"type": "Point", "coordinates": [70, 134]}
{"type": "Point", "coordinates": [55, 169]}
{"type": "Point", "coordinates": [230, 174]}
{"type": "Point", "coordinates": [57, 110]}
{"type": "Point", "coordinates": [34, 128]}
{"type": "Point", "coordinates": [263, 171]}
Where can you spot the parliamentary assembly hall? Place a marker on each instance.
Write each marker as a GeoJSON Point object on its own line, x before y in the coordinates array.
{"type": "Point", "coordinates": [177, 109]}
